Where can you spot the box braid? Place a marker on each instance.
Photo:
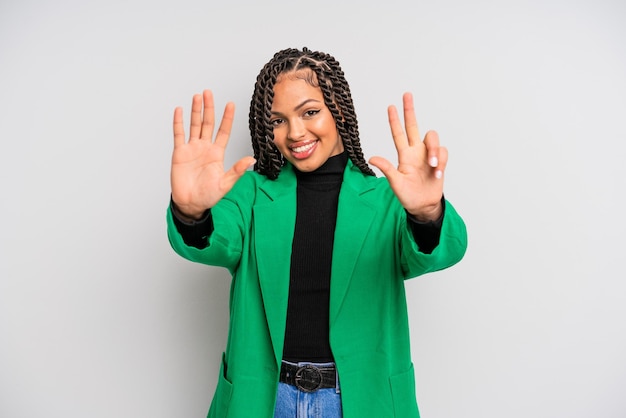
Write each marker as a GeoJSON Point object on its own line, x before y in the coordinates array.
{"type": "Point", "coordinates": [328, 76]}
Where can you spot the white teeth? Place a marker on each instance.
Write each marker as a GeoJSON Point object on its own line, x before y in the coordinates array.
{"type": "Point", "coordinates": [304, 148]}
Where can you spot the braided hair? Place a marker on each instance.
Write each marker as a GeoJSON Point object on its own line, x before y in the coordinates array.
{"type": "Point", "coordinates": [325, 73]}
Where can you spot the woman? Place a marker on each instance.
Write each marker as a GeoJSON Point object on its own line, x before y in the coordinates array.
{"type": "Point", "coordinates": [317, 245]}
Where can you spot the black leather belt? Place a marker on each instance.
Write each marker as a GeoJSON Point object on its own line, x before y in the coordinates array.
{"type": "Point", "coordinates": [308, 378]}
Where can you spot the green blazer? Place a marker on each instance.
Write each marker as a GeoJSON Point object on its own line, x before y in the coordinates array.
{"type": "Point", "coordinates": [374, 252]}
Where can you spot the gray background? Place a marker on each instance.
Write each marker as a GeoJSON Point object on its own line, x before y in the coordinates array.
{"type": "Point", "coordinates": [98, 316]}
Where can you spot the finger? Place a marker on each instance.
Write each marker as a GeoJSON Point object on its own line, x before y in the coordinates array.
{"type": "Point", "coordinates": [243, 164]}
{"type": "Point", "coordinates": [223, 133]}
{"type": "Point", "coordinates": [179, 129]}
{"type": "Point", "coordinates": [195, 127]}
{"type": "Point", "coordinates": [431, 141]}
{"type": "Point", "coordinates": [384, 166]}
{"type": "Point", "coordinates": [208, 116]}
{"type": "Point", "coordinates": [236, 171]}
{"type": "Point", "coordinates": [410, 122]}
{"type": "Point", "coordinates": [443, 162]}
{"type": "Point", "coordinates": [397, 132]}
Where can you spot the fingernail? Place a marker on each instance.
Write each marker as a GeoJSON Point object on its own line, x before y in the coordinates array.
{"type": "Point", "coordinates": [434, 162]}
{"type": "Point", "coordinates": [438, 174]}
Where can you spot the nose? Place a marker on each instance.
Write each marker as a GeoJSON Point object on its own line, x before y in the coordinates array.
{"type": "Point", "coordinates": [297, 129]}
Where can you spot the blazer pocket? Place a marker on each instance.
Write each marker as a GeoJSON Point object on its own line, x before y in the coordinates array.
{"type": "Point", "coordinates": [403, 394]}
{"type": "Point", "coordinates": [223, 393]}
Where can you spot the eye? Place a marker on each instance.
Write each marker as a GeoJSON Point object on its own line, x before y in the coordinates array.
{"type": "Point", "coordinates": [276, 122]}
{"type": "Point", "coordinates": [311, 113]}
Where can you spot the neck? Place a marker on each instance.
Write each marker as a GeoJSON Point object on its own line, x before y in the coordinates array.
{"type": "Point", "coordinates": [331, 170]}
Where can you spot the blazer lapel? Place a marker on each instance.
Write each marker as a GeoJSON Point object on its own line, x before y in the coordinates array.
{"type": "Point", "coordinates": [275, 217]}
{"type": "Point", "coordinates": [355, 215]}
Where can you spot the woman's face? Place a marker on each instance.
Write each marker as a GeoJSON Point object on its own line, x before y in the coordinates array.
{"type": "Point", "coordinates": [304, 129]}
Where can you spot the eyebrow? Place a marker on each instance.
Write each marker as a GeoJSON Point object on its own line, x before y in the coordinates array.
{"type": "Point", "coordinates": [304, 103]}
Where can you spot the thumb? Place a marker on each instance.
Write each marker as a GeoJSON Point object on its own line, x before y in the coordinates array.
{"type": "Point", "coordinates": [242, 165]}
{"type": "Point", "coordinates": [385, 166]}
{"type": "Point", "coordinates": [238, 169]}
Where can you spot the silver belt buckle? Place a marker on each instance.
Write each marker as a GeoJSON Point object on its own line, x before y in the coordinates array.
{"type": "Point", "coordinates": [308, 378]}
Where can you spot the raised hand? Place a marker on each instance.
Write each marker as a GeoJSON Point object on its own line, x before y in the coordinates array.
{"type": "Point", "coordinates": [197, 177]}
{"type": "Point", "coordinates": [418, 179]}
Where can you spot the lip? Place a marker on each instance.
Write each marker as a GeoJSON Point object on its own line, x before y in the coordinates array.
{"type": "Point", "coordinates": [303, 149]}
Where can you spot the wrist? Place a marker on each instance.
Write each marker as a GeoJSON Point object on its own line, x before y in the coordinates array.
{"type": "Point", "coordinates": [186, 214]}
{"type": "Point", "coordinates": [429, 213]}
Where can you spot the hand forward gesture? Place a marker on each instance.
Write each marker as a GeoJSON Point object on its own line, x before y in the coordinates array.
{"type": "Point", "coordinates": [418, 179]}
{"type": "Point", "coordinates": [198, 178]}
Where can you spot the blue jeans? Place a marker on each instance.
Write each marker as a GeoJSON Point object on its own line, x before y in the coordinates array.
{"type": "Point", "coordinates": [291, 402]}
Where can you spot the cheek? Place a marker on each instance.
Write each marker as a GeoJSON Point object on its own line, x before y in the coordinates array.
{"type": "Point", "coordinates": [327, 127]}
{"type": "Point", "coordinates": [323, 124]}
{"type": "Point", "coordinates": [280, 140]}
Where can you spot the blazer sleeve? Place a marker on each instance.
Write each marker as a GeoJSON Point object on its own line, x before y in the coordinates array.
{"type": "Point", "coordinates": [230, 226]}
{"type": "Point", "coordinates": [450, 250]}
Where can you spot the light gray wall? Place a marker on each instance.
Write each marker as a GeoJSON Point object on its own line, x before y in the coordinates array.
{"type": "Point", "coordinates": [98, 316]}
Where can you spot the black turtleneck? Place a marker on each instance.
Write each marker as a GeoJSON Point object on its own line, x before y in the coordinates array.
{"type": "Point", "coordinates": [306, 332]}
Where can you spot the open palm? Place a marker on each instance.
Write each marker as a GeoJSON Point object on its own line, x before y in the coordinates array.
{"type": "Point", "coordinates": [418, 179]}
{"type": "Point", "coordinates": [198, 178]}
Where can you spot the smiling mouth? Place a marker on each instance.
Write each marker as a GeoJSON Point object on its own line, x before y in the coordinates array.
{"type": "Point", "coordinates": [303, 148]}
{"type": "Point", "coordinates": [304, 151]}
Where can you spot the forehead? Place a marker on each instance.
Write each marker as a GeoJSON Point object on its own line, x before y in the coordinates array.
{"type": "Point", "coordinates": [293, 88]}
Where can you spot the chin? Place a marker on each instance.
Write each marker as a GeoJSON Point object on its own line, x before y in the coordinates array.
{"type": "Point", "coordinates": [307, 164]}
{"type": "Point", "coordinates": [306, 167]}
